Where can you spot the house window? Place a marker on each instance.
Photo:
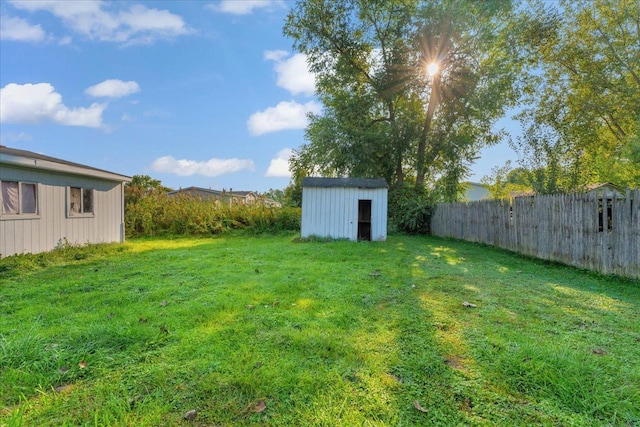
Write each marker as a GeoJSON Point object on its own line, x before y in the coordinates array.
{"type": "Point", "coordinates": [80, 201]}
{"type": "Point", "coordinates": [18, 198]}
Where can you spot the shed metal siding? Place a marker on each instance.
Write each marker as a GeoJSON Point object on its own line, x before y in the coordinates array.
{"type": "Point", "coordinates": [333, 212]}
{"type": "Point", "coordinates": [45, 232]}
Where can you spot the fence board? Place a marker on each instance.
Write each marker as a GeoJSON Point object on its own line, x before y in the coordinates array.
{"type": "Point", "coordinates": [582, 229]}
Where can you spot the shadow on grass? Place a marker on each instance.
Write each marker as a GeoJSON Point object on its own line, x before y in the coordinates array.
{"type": "Point", "coordinates": [550, 339]}
{"type": "Point", "coordinates": [336, 333]}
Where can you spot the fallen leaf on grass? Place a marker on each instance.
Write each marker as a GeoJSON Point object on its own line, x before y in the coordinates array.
{"type": "Point", "coordinates": [468, 304]}
{"type": "Point", "coordinates": [418, 406]}
{"type": "Point", "coordinates": [190, 415]}
{"type": "Point", "coordinates": [466, 404]}
{"type": "Point", "coordinates": [260, 406]}
{"type": "Point", "coordinates": [63, 387]}
{"type": "Point", "coordinates": [82, 364]}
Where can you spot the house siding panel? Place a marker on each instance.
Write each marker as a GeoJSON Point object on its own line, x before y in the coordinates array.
{"type": "Point", "coordinates": [54, 225]}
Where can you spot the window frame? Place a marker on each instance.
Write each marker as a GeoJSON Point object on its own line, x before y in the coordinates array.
{"type": "Point", "coordinates": [20, 214]}
{"type": "Point", "coordinates": [81, 213]}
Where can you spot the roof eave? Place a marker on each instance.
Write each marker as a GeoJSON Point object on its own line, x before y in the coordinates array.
{"type": "Point", "coordinates": [47, 165]}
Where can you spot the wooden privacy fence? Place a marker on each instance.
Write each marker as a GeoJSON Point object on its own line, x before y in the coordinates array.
{"type": "Point", "coordinates": [585, 230]}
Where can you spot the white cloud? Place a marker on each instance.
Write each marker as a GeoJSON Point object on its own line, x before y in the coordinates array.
{"type": "Point", "coordinates": [285, 115]}
{"type": "Point", "coordinates": [279, 167]}
{"type": "Point", "coordinates": [35, 103]}
{"type": "Point", "coordinates": [293, 73]}
{"type": "Point", "coordinates": [275, 55]}
{"type": "Point", "coordinates": [211, 167]}
{"type": "Point", "coordinates": [243, 7]}
{"type": "Point", "coordinates": [18, 29]}
{"type": "Point", "coordinates": [134, 25]}
{"type": "Point", "coordinates": [113, 89]}
{"type": "Point", "coordinates": [15, 137]}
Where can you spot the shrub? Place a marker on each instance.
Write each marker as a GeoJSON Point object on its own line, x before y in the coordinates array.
{"type": "Point", "coordinates": [410, 210]}
{"type": "Point", "coordinates": [160, 214]}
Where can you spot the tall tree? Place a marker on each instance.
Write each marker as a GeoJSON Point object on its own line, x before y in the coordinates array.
{"type": "Point", "coordinates": [383, 114]}
{"type": "Point", "coordinates": [354, 49]}
{"type": "Point", "coordinates": [140, 186]}
{"type": "Point", "coordinates": [467, 44]}
{"type": "Point", "coordinates": [583, 119]}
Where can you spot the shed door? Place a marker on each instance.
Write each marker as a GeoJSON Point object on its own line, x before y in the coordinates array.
{"type": "Point", "coordinates": [364, 219]}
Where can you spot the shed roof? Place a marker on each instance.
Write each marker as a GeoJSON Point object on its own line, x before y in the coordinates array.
{"type": "Point", "coordinates": [345, 182]}
{"type": "Point", "coordinates": [31, 160]}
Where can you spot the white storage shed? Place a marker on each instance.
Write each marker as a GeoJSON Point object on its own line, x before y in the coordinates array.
{"type": "Point", "coordinates": [351, 208]}
{"type": "Point", "coordinates": [45, 202]}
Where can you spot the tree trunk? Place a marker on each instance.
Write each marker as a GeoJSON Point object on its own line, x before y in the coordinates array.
{"type": "Point", "coordinates": [426, 129]}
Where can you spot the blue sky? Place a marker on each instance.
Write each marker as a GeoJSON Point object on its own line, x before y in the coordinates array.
{"type": "Point", "coordinates": [197, 93]}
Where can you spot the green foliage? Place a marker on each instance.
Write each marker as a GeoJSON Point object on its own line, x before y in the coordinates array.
{"type": "Point", "coordinates": [504, 181]}
{"type": "Point", "coordinates": [141, 186]}
{"type": "Point", "coordinates": [64, 253]}
{"type": "Point", "coordinates": [274, 194]}
{"type": "Point", "coordinates": [410, 209]}
{"type": "Point", "coordinates": [293, 191]}
{"type": "Point", "coordinates": [583, 93]}
{"type": "Point", "coordinates": [160, 214]}
{"type": "Point", "coordinates": [383, 116]}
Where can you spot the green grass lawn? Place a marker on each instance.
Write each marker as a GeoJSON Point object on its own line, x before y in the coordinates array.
{"type": "Point", "coordinates": [269, 331]}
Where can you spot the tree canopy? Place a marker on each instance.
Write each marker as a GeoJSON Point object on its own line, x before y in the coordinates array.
{"type": "Point", "coordinates": [140, 186]}
{"type": "Point", "coordinates": [582, 109]}
{"type": "Point", "coordinates": [384, 115]}
{"type": "Point", "coordinates": [412, 89]}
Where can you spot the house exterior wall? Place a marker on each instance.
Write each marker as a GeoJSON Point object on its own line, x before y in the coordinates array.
{"type": "Point", "coordinates": [43, 233]}
{"type": "Point", "coordinates": [333, 212]}
{"type": "Point", "coordinates": [476, 192]}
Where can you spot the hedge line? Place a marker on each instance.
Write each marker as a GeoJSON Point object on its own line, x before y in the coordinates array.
{"type": "Point", "coordinates": [159, 214]}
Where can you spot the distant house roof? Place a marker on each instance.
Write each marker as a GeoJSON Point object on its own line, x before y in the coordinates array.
{"type": "Point", "coordinates": [31, 160]}
{"type": "Point", "coordinates": [345, 182]}
{"type": "Point", "coordinates": [606, 188]}
{"type": "Point", "coordinates": [245, 197]}
{"type": "Point", "coordinates": [603, 185]}
{"type": "Point", "coordinates": [209, 192]}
